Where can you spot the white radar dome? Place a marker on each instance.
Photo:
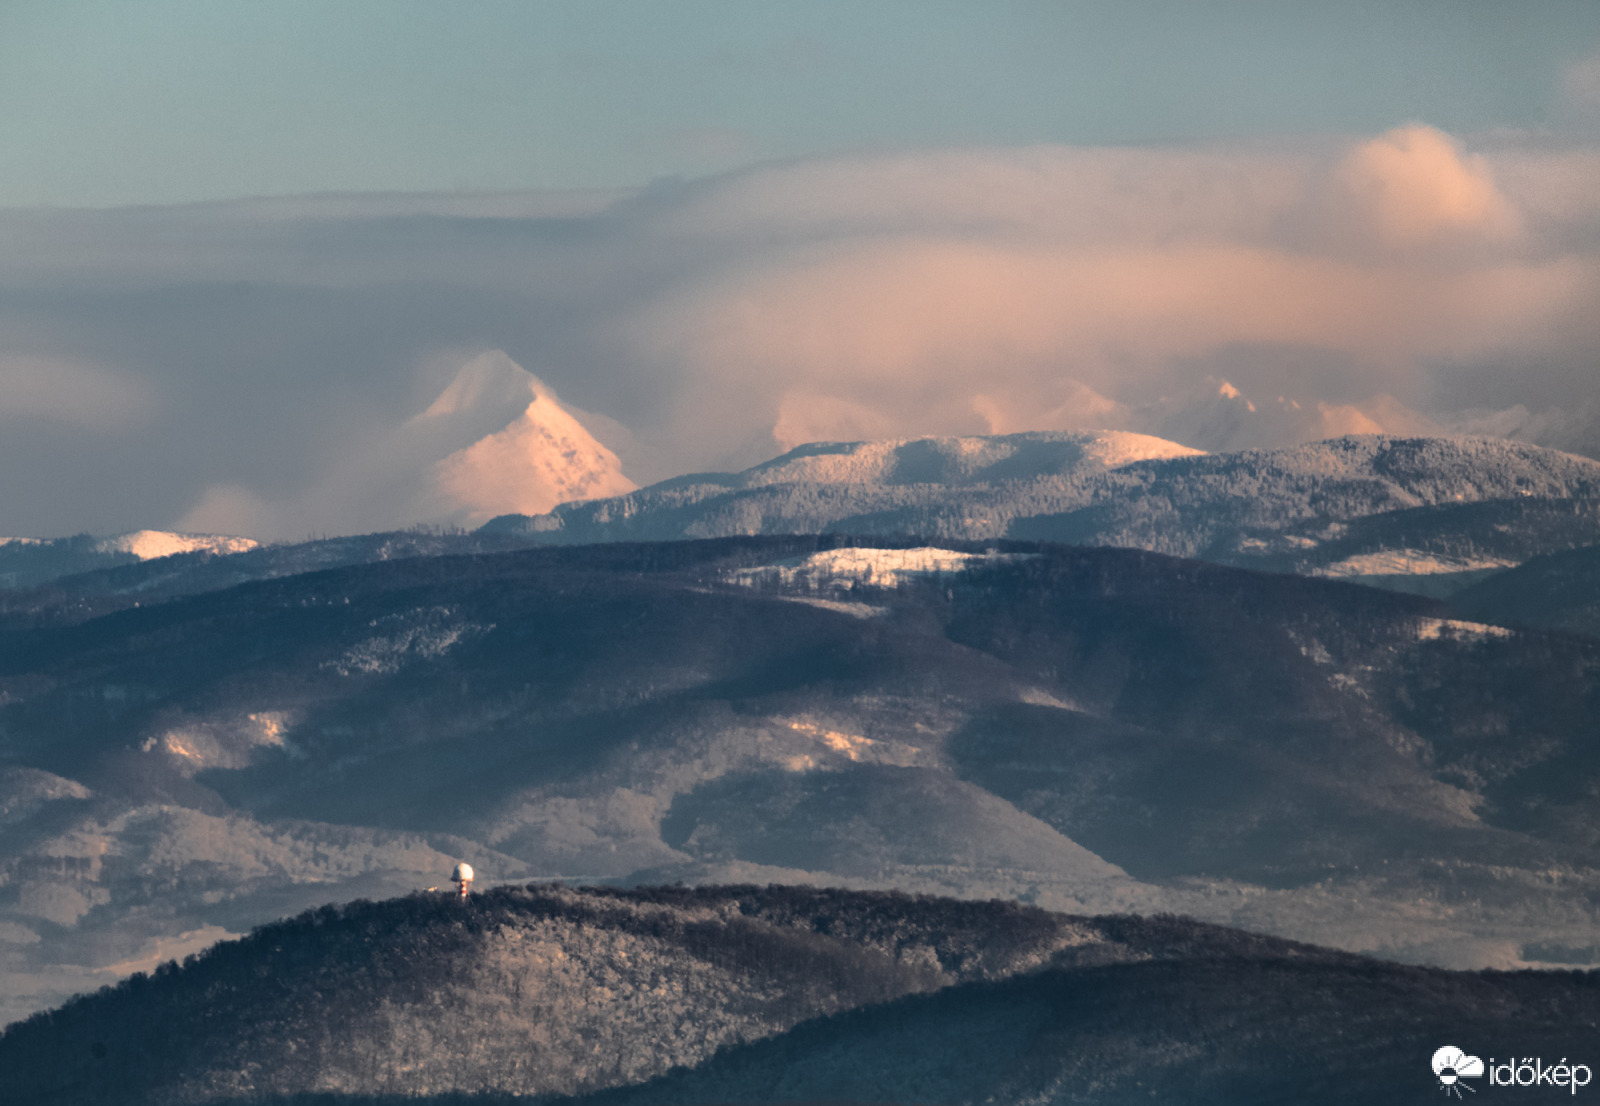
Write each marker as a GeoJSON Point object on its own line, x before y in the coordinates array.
{"type": "Point", "coordinates": [462, 874]}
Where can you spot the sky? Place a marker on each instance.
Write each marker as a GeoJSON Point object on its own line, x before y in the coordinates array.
{"type": "Point", "coordinates": [116, 102]}
{"type": "Point", "coordinates": [243, 245]}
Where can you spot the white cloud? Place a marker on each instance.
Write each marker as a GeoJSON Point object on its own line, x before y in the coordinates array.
{"type": "Point", "coordinates": [974, 291]}
{"type": "Point", "coordinates": [1340, 283]}
{"type": "Point", "coordinates": [1415, 186]}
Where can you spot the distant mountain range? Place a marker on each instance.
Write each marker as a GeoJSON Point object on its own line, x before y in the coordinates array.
{"type": "Point", "coordinates": [1428, 514]}
{"type": "Point", "coordinates": [1087, 729]}
{"type": "Point", "coordinates": [1215, 415]}
{"type": "Point", "coordinates": [128, 581]}
{"type": "Point", "coordinates": [745, 994]}
{"type": "Point", "coordinates": [28, 562]}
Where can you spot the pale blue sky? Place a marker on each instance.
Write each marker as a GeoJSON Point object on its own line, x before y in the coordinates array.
{"type": "Point", "coordinates": [110, 102]}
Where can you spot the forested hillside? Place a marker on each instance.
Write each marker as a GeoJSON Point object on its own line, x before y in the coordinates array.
{"type": "Point", "coordinates": [1416, 513]}
{"type": "Point", "coordinates": [773, 994]}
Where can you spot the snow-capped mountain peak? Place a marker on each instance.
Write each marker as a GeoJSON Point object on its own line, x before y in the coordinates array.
{"type": "Point", "coordinates": [495, 439]}
{"type": "Point", "coordinates": [530, 453]}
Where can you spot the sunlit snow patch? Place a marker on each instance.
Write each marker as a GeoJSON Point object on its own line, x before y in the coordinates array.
{"type": "Point", "coordinates": [1409, 562]}
{"type": "Point", "coordinates": [150, 544]}
{"type": "Point", "coordinates": [1038, 697]}
{"type": "Point", "coordinates": [884, 568]}
{"type": "Point", "coordinates": [225, 742]}
{"type": "Point", "coordinates": [1433, 629]}
{"type": "Point", "coordinates": [854, 610]}
{"type": "Point", "coordinates": [1115, 448]}
{"type": "Point", "coordinates": [852, 747]}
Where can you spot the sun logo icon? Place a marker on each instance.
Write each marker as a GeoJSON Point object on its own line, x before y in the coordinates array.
{"type": "Point", "coordinates": [1452, 1065]}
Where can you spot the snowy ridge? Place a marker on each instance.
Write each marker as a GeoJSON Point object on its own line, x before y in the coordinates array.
{"type": "Point", "coordinates": [1437, 469]}
{"type": "Point", "coordinates": [147, 545]}
{"type": "Point", "coordinates": [1336, 508]}
{"type": "Point", "coordinates": [961, 461]}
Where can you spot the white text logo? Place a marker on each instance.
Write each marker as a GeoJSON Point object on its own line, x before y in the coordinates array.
{"type": "Point", "coordinates": [1530, 1071]}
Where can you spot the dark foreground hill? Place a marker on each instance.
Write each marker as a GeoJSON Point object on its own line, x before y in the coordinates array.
{"type": "Point", "coordinates": [777, 994]}
{"type": "Point", "coordinates": [1212, 1028]}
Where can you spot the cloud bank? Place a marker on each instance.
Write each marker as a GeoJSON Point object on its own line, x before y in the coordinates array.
{"type": "Point", "coordinates": [1222, 296]}
{"type": "Point", "coordinates": [75, 395]}
{"type": "Point", "coordinates": [495, 441]}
